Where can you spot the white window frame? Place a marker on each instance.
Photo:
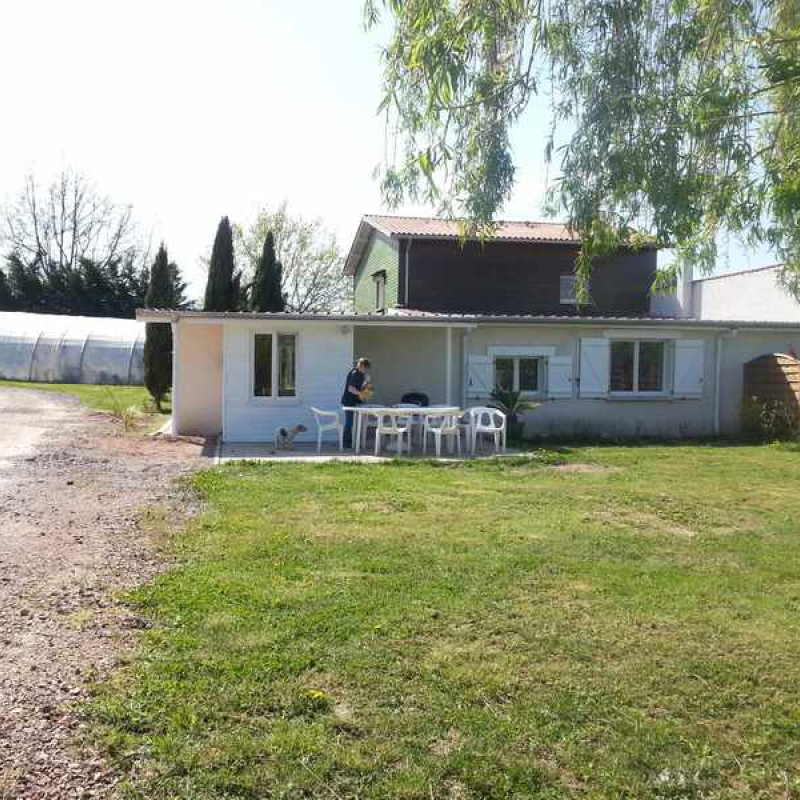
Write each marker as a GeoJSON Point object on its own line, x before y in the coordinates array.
{"type": "Point", "coordinates": [380, 290]}
{"type": "Point", "coordinates": [274, 399]}
{"type": "Point", "coordinates": [664, 391]}
{"type": "Point", "coordinates": [541, 372]}
{"type": "Point", "coordinates": [567, 299]}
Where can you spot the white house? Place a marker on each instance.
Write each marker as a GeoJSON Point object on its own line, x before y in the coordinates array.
{"type": "Point", "coordinates": [594, 372]}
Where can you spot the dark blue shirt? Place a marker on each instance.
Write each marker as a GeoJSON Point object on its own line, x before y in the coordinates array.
{"type": "Point", "coordinates": [356, 380]}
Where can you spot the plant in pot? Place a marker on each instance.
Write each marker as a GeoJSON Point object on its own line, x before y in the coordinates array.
{"type": "Point", "coordinates": [512, 404]}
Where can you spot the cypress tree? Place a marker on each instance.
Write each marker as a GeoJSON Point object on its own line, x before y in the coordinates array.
{"type": "Point", "coordinates": [220, 290]}
{"type": "Point", "coordinates": [267, 292]}
{"type": "Point", "coordinates": [7, 300]}
{"type": "Point", "coordinates": [158, 340]}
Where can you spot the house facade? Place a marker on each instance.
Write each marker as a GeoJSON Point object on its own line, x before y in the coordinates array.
{"type": "Point", "coordinates": [453, 329]}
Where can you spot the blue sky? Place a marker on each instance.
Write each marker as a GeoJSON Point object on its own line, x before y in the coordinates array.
{"type": "Point", "coordinates": [190, 110]}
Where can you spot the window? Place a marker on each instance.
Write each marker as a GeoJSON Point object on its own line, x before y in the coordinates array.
{"type": "Point", "coordinates": [286, 366]}
{"type": "Point", "coordinates": [517, 374]}
{"type": "Point", "coordinates": [637, 366]}
{"type": "Point", "coordinates": [270, 349]}
{"type": "Point", "coordinates": [567, 285]}
{"type": "Point", "coordinates": [380, 290]}
{"type": "Point", "coordinates": [262, 383]}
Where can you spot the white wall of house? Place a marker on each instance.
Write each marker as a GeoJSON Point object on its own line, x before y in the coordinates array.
{"type": "Point", "coordinates": [197, 379]}
{"type": "Point", "coordinates": [215, 373]}
{"type": "Point", "coordinates": [573, 399]}
{"type": "Point", "coordinates": [324, 355]}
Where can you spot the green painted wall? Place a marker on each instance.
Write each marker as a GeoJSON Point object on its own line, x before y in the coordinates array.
{"type": "Point", "coordinates": [380, 255]}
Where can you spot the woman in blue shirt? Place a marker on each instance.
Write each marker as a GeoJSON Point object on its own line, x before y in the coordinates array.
{"type": "Point", "coordinates": [354, 386]}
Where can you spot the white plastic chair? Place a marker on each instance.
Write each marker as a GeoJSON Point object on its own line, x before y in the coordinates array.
{"type": "Point", "coordinates": [333, 423]}
{"type": "Point", "coordinates": [397, 425]}
{"type": "Point", "coordinates": [438, 427]}
{"type": "Point", "coordinates": [414, 421]}
{"type": "Point", "coordinates": [488, 422]}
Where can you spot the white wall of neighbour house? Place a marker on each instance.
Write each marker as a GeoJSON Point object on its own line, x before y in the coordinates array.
{"type": "Point", "coordinates": [324, 355]}
{"type": "Point", "coordinates": [590, 410]}
{"type": "Point", "coordinates": [755, 295]}
{"type": "Point", "coordinates": [411, 359]}
{"type": "Point", "coordinates": [738, 348]}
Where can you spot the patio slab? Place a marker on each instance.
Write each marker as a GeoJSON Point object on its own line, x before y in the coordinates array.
{"type": "Point", "coordinates": [306, 452]}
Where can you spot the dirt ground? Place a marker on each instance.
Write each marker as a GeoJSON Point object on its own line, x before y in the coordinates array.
{"type": "Point", "coordinates": [73, 488]}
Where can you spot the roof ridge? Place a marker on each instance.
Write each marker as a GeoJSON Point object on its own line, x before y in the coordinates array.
{"type": "Point", "coordinates": [459, 219]}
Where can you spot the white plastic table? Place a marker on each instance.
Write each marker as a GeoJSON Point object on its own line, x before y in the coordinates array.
{"type": "Point", "coordinates": [370, 409]}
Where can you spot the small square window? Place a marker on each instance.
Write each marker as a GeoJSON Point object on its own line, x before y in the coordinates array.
{"type": "Point", "coordinates": [567, 287]}
{"type": "Point", "coordinates": [517, 374]}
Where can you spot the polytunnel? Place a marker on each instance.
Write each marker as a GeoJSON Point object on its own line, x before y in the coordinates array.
{"type": "Point", "coordinates": [57, 348]}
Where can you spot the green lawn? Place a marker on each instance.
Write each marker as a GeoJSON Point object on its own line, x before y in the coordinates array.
{"type": "Point", "coordinates": [98, 398]}
{"type": "Point", "coordinates": [623, 629]}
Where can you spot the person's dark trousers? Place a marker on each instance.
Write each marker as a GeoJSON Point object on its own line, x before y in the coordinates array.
{"type": "Point", "coordinates": [348, 429]}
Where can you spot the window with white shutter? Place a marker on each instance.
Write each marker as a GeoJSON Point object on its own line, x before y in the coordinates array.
{"type": "Point", "coordinates": [689, 368]}
{"type": "Point", "coordinates": [594, 367]}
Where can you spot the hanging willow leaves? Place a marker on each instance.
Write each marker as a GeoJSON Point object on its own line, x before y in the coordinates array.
{"type": "Point", "coordinates": [673, 120]}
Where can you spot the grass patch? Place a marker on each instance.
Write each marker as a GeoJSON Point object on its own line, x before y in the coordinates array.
{"type": "Point", "coordinates": [501, 630]}
{"type": "Point", "coordinates": [126, 403]}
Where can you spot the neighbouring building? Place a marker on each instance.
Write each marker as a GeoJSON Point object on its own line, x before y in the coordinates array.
{"type": "Point", "coordinates": [453, 319]}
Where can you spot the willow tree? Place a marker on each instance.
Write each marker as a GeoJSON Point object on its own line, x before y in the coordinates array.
{"type": "Point", "coordinates": [679, 120]}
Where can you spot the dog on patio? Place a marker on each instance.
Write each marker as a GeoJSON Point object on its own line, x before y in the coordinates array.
{"type": "Point", "coordinates": [284, 437]}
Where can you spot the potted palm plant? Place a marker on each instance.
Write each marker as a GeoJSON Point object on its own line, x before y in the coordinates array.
{"type": "Point", "coordinates": [512, 404]}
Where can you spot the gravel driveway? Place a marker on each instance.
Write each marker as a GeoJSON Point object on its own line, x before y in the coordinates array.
{"type": "Point", "coordinates": [72, 489]}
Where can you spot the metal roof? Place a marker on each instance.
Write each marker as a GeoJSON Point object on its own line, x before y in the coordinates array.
{"type": "Point", "coordinates": [399, 227]}
{"type": "Point", "coordinates": [438, 228]}
{"type": "Point", "coordinates": [408, 317]}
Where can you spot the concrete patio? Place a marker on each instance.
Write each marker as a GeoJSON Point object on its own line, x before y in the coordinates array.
{"type": "Point", "coordinates": [306, 452]}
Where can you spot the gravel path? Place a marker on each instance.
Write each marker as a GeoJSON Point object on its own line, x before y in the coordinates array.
{"type": "Point", "coordinates": [72, 488]}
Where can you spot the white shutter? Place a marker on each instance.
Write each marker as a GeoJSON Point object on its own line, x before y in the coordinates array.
{"type": "Point", "coordinates": [559, 376]}
{"type": "Point", "coordinates": [595, 367]}
{"type": "Point", "coordinates": [480, 376]}
{"type": "Point", "coordinates": [689, 368]}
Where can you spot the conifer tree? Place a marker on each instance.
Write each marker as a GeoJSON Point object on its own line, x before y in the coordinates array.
{"type": "Point", "coordinates": [158, 341]}
{"type": "Point", "coordinates": [221, 294]}
{"type": "Point", "coordinates": [267, 292]}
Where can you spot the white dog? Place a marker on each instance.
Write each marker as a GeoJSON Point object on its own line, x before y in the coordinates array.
{"type": "Point", "coordinates": [284, 438]}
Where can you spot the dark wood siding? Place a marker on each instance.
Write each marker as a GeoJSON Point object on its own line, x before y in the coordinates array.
{"type": "Point", "coordinates": [506, 278]}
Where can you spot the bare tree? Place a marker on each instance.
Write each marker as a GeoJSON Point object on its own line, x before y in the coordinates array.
{"type": "Point", "coordinates": [313, 278]}
{"type": "Point", "coordinates": [57, 227]}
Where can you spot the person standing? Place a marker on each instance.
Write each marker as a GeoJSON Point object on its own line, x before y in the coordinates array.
{"type": "Point", "coordinates": [354, 389]}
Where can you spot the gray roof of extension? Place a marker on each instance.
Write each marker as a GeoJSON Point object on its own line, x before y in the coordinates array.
{"type": "Point", "coordinates": [410, 318]}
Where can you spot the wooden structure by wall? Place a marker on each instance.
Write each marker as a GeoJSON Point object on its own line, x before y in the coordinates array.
{"type": "Point", "coordinates": [773, 377]}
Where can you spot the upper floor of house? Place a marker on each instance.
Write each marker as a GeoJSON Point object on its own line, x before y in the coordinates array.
{"type": "Point", "coordinates": [423, 264]}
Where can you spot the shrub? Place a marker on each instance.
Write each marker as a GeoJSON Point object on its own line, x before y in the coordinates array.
{"type": "Point", "coordinates": [771, 419]}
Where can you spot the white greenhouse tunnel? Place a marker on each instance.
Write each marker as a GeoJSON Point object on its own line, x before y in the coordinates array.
{"type": "Point", "coordinates": [56, 348]}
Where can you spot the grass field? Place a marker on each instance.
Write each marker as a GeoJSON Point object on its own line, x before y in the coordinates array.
{"type": "Point", "coordinates": [98, 398]}
{"type": "Point", "coordinates": [620, 625]}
